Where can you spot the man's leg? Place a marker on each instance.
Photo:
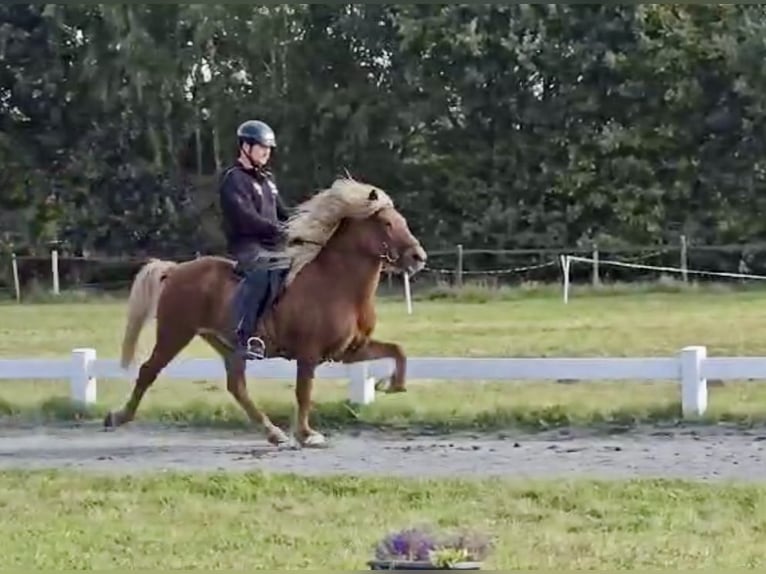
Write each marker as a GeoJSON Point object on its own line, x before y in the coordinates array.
{"type": "Point", "coordinates": [250, 300]}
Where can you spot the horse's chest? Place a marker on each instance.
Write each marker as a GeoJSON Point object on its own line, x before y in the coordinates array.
{"type": "Point", "coordinates": [330, 331]}
{"type": "Point", "coordinates": [366, 321]}
{"type": "Point", "coordinates": [354, 335]}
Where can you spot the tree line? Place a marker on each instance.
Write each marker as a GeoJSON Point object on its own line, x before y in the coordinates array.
{"type": "Point", "coordinates": [495, 126]}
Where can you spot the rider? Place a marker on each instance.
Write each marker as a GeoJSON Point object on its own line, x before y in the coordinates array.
{"type": "Point", "coordinates": [252, 212]}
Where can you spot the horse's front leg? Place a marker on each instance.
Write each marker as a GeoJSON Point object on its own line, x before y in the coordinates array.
{"type": "Point", "coordinates": [374, 350]}
{"type": "Point", "coordinates": [304, 385]}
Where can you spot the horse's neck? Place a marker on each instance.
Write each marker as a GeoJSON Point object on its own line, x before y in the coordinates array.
{"type": "Point", "coordinates": [358, 275]}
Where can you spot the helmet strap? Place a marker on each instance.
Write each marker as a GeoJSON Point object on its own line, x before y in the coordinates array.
{"type": "Point", "coordinates": [249, 155]}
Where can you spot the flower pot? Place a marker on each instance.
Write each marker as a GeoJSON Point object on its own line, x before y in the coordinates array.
{"type": "Point", "coordinates": [420, 565]}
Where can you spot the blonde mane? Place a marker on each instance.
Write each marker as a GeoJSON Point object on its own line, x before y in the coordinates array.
{"type": "Point", "coordinates": [316, 219]}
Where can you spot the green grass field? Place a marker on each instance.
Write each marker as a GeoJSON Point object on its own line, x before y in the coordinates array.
{"type": "Point", "coordinates": [238, 522]}
{"type": "Point", "coordinates": [630, 323]}
{"type": "Point", "coordinates": [258, 522]}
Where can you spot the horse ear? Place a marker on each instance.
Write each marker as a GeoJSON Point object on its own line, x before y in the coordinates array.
{"type": "Point", "coordinates": [373, 195]}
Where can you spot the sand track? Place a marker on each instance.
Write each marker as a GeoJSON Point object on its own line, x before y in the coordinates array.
{"type": "Point", "coordinates": [711, 453]}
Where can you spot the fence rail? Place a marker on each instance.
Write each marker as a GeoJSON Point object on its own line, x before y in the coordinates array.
{"type": "Point", "coordinates": [691, 368]}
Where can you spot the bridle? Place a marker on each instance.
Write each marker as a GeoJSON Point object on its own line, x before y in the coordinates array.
{"type": "Point", "coordinates": [385, 254]}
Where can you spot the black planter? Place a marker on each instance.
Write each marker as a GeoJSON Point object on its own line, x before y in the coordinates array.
{"type": "Point", "coordinates": [421, 565]}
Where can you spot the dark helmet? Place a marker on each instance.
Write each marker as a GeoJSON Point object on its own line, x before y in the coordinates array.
{"type": "Point", "coordinates": [255, 131]}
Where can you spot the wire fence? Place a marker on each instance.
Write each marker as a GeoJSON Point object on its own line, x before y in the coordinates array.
{"type": "Point", "coordinates": [54, 272]}
{"type": "Point", "coordinates": [543, 264]}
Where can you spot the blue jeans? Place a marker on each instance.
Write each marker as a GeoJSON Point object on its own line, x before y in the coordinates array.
{"type": "Point", "coordinates": [250, 303]}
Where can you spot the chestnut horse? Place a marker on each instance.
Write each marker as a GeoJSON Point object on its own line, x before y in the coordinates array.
{"type": "Point", "coordinates": [338, 242]}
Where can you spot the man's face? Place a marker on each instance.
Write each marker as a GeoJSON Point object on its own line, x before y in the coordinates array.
{"type": "Point", "coordinates": [259, 154]}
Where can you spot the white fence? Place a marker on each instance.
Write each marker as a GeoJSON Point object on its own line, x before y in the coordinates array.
{"type": "Point", "coordinates": [691, 368]}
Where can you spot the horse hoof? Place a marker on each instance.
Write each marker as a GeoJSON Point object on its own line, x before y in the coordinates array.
{"type": "Point", "coordinates": [392, 389]}
{"type": "Point", "coordinates": [388, 386]}
{"type": "Point", "coordinates": [289, 445]}
{"type": "Point", "coordinates": [314, 440]}
{"type": "Point", "coordinates": [277, 437]}
{"type": "Point", "coordinates": [110, 422]}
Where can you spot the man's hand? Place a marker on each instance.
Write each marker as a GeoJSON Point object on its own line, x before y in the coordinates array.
{"type": "Point", "coordinates": [281, 234]}
{"type": "Point", "coordinates": [278, 238]}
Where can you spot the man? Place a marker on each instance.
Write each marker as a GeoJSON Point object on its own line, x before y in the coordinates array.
{"type": "Point", "coordinates": [252, 211]}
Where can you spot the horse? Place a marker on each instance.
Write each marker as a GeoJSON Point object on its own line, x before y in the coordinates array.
{"type": "Point", "coordinates": [338, 242]}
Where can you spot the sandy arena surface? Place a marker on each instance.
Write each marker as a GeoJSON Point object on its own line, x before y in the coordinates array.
{"type": "Point", "coordinates": [710, 453]}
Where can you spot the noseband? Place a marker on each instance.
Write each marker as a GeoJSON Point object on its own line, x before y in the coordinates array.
{"type": "Point", "coordinates": [386, 255]}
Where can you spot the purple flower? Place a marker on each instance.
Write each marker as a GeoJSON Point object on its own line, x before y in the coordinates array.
{"type": "Point", "coordinates": [399, 546]}
{"type": "Point", "coordinates": [417, 544]}
{"type": "Point", "coordinates": [410, 544]}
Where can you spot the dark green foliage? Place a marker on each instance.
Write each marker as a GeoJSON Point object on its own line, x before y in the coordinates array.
{"type": "Point", "coordinates": [492, 125]}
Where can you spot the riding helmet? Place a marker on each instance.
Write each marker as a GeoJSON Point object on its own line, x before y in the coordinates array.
{"type": "Point", "coordinates": [256, 131]}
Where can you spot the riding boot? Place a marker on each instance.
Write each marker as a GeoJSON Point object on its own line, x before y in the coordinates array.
{"type": "Point", "coordinates": [254, 289]}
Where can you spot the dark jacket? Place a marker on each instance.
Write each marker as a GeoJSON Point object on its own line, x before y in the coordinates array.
{"type": "Point", "coordinates": [251, 208]}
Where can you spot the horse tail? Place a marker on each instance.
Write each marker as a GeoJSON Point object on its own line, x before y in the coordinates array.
{"type": "Point", "coordinates": [142, 303]}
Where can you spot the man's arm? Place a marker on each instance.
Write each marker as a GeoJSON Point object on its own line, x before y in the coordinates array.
{"type": "Point", "coordinates": [283, 212]}
{"type": "Point", "coordinates": [238, 206]}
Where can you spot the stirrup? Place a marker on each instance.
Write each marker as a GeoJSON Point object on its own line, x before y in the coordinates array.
{"type": "Point", "coordinates": [256, 347]}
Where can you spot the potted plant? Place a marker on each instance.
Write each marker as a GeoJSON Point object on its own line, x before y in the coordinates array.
{"type": "Point", "coordinates": [421, 548]}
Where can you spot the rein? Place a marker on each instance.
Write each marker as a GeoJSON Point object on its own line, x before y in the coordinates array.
{"type": "Point", "coordinates": [385, 255]}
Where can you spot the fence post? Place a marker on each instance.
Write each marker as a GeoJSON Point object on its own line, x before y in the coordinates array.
{"type": "Point", "coordinates": [55, 270]}
{"type": "Point", "coordinates": [16, 282]}
{"type": "Point", "coordinates": [459, 271]}
{"type": "Point", "coordinates": [693, 385]}
{"type": "Point", "coordinates": [596, 279]}
{"type": "Point", "coordinates": [362, 387]}
{"type": "Point", "coordinates": [408, 293]}
{"type": "Point", "coordinates": [565, 263]}
{"type": "Point", "coordinates": [684, 259]}
{"type": "Point", "coordinates": [82, 383]}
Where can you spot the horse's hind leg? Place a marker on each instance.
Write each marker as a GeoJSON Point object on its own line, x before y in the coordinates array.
{"type": "Point", "coordinates": [236, 383]}
{"type": "Point", "coordinates": [169, 344]}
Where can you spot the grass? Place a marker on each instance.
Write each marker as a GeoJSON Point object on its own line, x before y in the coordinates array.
{"type": "Point", "coordinates": [612, 321]}
{"type": "Point", "coordinates": [259, 521]}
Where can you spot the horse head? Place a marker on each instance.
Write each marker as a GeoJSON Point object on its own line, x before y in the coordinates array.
{"type": "Point", "coordinates": [385, 235]}
{"type": "Point", "coordinates": [354, 218]}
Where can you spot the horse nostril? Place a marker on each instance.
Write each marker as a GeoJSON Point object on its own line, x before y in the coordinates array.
{"type": "Point", "coordinates": [419, 255]}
